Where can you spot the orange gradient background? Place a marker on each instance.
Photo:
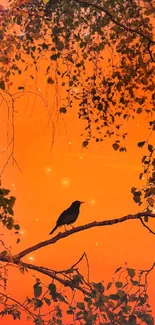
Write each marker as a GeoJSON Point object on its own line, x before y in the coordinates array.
{"type": "Point", "coordinates": [52, 178]}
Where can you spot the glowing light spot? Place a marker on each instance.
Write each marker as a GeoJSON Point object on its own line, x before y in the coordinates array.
{"type": "Point", "coordinates": [80, 157]}
{"type": "Point", "coordinates": [39, 89]}
{"type": "Point", "coordinates": [31, 258]}
{"type": "Point", "coordinates": [37, 219]}
{"type": "Point", "coordinates": [65, 182]}
{"type": "Point", "coordinates": [22, 232]}
{"type": "Point", "coordinates": [96, 243]}
{"type": "Point", "coordinates": [70, 142]}
{"type": "Point", "coordinates": [48, 170]}
{"type": "Point", "coordinates": [13, 185]}
{"type": "Point", "coordinates": [137, 125]}
{"type": "Point", "coordinates": [92, 201]}
{"type": "Point", "coordinates": [143, 177]}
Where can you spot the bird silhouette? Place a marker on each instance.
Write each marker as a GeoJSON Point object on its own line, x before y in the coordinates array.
{"type": "Point", "coordinates": [68, 216]}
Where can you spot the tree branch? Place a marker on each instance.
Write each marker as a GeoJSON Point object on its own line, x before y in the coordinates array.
{"type": "Point", "coordinates": [51, 274]}
{"type": "Point", "coordinates": [81, 228]}
{"type": "Point", "coordinates": [18, 303]}
{"type": "Point", "coordinates": [16, 259]}
{"type": "Point", "coordinates": [144, 224]}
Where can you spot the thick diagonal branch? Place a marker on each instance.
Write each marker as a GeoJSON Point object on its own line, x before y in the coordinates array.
{"type": "Point", "coordinates": [16, 259]}
{"type": "Point", "coordinates": [82, 228]}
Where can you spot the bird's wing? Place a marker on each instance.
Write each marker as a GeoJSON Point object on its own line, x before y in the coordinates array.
{"type": "Point", "coordinates": [61, 219]}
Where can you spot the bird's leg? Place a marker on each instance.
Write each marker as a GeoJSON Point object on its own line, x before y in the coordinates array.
{"type": "Point", "coordinates": [72, 226]}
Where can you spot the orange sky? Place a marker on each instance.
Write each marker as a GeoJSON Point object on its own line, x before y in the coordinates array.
{"type": "Point", "coordinates": [52, 179]}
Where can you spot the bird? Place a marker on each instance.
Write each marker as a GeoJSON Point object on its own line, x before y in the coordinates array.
{"type": "Point", "coordinates": [68, 216]}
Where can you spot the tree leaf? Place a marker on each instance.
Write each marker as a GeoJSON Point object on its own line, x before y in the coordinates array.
{"type": "Point", "coordinates": [80, 305]}
{"type": "Point", "coordinates": [2, 85]}
{"type": "Point", "coordinates": [4, 191]}
{"type": "Point", "coordinates": [115, 146]}
{"type": "Point", "coordinates": [131, 272]}
{"type": "Point", "coordinates": [118, 269]}
{"type": "Point", "coordinates": [50, 81]}
{"type": "Point", "coordinates": [63, 110]}
{"type": "Point", "coordinates": [141, 144]}
{"type": "Point", "coordinates": [150, 147]}
{"type": "Point", "coordinates": [17, 227]}
{"type": "Point", "coordinates": [53, 291]}
{"type": "Point", "coordinates": [37, 290]}
{"type": "Point", "coordinates": [21, 88]}
{"type": "Point", "coordinates": [150, 201]}
{"type": "Point", "coordinates": [126, 309]}
{"type": "Point", "coordinates": [38, 303]}
{"type": "Point", "coordinates": [139, 110]}
{"type": "Point", "coordinates": [10, 210]}
{"type": "Point", "coordinates": [109, 285]}
{"type": "Point", "coordinates": [54, 57]}
{"type": "Point", "coordinates": [118, 284]}
{"type": "Point", "coordinates": [48, 301]}
{"type": "Point", "coordinates": [85, 143]}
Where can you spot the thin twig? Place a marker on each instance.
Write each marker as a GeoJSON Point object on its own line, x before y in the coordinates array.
{"type": "Point", "coordinates": [18, 303]}
{"type": "Point", "coordinates": [144, 224]}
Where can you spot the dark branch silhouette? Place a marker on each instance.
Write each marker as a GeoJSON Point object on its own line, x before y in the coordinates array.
{"type": "Point", "coordinates": [16, 259]}
{"type": "Point", "coordinates": [81, 228]}
{"type": "Point", "coordinates": [51, 274]}
{"type": "Point", "coordinates": [148, 228]}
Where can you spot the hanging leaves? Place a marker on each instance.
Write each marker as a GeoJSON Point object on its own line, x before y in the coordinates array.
{"type": "Point", "coordinates": [6, 205]}
{"type": "Point", "coordinates": [103, 94]}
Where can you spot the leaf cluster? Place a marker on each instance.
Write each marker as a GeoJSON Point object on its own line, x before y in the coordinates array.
{"type": "Point", "coordinates": [104, 67]}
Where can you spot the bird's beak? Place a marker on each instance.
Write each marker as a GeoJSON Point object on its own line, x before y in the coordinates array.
{"type": "Point", "coordinates": [81, 202]}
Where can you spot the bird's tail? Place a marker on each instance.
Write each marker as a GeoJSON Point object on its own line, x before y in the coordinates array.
{"type": "Point", "coordinates": [53, 230]}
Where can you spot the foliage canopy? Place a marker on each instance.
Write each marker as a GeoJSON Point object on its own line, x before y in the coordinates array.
{"type": "Point", "coordinates": [101, 53]}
